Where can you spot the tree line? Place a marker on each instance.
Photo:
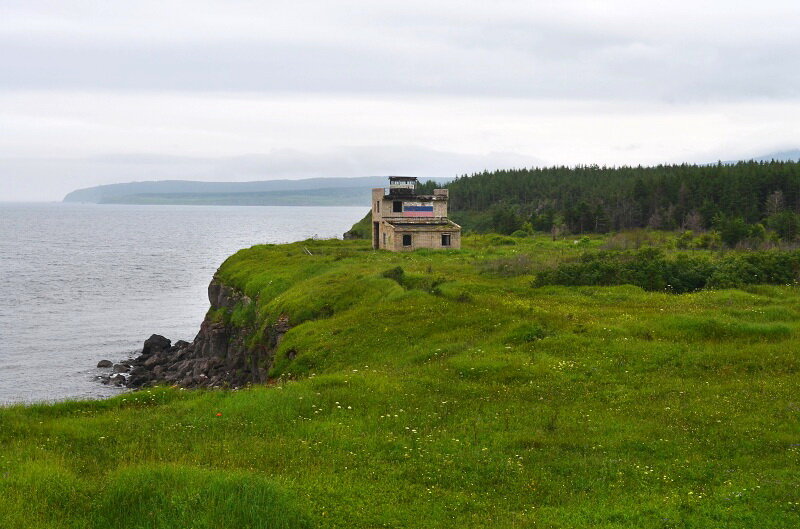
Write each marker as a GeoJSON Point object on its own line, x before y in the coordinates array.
{"type": "Point", "coordinates": [737, 200]}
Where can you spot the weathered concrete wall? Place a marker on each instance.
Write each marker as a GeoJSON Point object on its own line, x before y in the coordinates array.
{"type": "Point", "coordinates": [387, 240]}
{"type": "Point", "coordinates": [423, 239]}
{"type": "Point", "coordinates": [377, 215]}
{"type": "Point", "coordinates": [387, 210]}
{"type": "Point", "coordinates": [377, 203]}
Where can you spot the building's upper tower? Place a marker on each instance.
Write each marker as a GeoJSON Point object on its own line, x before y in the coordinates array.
{"type": "Point", "coordinates": [402, 185]}
{"type": "Point", "coordinates": [402, 200]}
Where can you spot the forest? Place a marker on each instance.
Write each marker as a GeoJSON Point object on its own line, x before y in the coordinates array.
{"type": "Point", "coordinates": [737, 202]}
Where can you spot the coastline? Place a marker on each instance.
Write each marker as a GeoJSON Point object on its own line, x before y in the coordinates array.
{"type": "Point", "coordinates": [79, 283]}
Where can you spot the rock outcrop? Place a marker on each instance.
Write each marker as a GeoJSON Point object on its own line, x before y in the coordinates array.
{"type": "Point", "coordinates": [217, 357]}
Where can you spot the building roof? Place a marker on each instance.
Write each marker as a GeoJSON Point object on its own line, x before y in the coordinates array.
{"type": "Point", "coordinates": [416, 198]}
{"type": "Point", "coordinates": [403, 178]}
{"type": "Point", "coordinates": [423, 224]}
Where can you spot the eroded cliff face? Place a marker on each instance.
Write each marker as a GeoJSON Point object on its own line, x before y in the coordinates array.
{"type": "Point", "coordinates": [219, 356]}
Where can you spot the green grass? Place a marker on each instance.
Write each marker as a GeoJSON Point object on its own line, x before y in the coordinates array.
{"type": "Point", "coordinates": [479, 402]}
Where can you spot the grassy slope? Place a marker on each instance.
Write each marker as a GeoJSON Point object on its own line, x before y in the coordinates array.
{"type": "Point", "coordinates": [486, 403]}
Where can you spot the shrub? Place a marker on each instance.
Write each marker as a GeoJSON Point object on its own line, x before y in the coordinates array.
{"type": "Point", "coordinates": [775, 268]}
{"type": "Point", "coordinates": [651, 270]}
{"type": "Point", "coordinates": [414, 282]}
{"type": "Point", "coordinates": [396, 274]}
{"type": "Point", "coordinates": [758, 232]}
{"type": "Point", "coordinates": [528, 332]}
{"type": "Point", "coordinates": [684, 240]}
{"type": "Point", "coordinates": [502, 241]}
{"type": "Point", "coordinates": [710, 240]}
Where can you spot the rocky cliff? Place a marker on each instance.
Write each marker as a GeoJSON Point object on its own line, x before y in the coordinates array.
{"type": "Point", "coordinates": [219, 356]}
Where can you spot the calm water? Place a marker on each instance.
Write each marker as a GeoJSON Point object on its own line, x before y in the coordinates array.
{"type": "Point", "coordinates": [80, 283]}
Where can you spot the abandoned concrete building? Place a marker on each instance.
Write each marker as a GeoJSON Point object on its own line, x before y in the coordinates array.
{"type": "Point", "coordinates": [403, 221]}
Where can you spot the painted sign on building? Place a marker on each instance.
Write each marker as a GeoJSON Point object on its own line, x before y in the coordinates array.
{"type": "Point", "coordinates": [417, 209]}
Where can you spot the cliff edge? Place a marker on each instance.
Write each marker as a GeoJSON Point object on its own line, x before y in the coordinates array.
{"type": "Point", "coordinates": [217, 357]}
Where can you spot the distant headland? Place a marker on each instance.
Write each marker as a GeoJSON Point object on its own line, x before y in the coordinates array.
{"type": "Point", "coordinates": [305, 192]}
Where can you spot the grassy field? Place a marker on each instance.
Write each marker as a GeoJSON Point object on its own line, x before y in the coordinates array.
{"type": "Point", "coordinates": [449, 393]}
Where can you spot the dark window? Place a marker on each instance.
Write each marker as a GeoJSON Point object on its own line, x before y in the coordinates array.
{"type": "Point", "coordinates": [406, 240]}
{"type": "Point", "coordinates": [397, 206]}
{"type": "Point", "coordinates": [445, 239]}
{"type": "Point", "coordinates": [378, 206]}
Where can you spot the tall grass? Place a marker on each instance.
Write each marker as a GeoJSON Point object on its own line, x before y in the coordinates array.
{"type": "Point", "coordinates": [487, 403]}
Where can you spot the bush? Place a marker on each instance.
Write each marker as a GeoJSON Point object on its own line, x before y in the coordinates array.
{"type": "Point", "coordinates": [758, 232]}
{"type": "Point", "coordinates": [651, 270]}
{"type": "Point", "coordinates": [684, 240]}
{"type": "Point", "coordinates": [774, 268]}
{"type": "Point", "coordinates": [499, 240]}
{"type": "Point", "coordinates": [528, 332]}
{"type": "Point", "coordinates": [710, 241]}
{"type": "Point", "coordinates": [396, 274]}
{"type": "Point", "coordinates": [414, 282]}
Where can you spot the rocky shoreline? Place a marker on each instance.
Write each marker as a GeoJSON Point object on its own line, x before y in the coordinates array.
{"type": "Point", "coordinates": [216, 358]}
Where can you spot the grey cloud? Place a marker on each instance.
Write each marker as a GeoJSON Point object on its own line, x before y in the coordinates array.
{"type": "Point", "coordinates": [546, 57]}
{"type": "Point", "coordinates": [618, 81]}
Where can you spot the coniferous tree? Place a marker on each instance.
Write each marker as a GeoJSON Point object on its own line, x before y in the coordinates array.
{"type": "Point", "coordinates": [598, 199]}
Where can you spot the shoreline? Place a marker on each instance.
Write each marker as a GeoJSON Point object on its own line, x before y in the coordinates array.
{"type": "Point", "coordinates": [217, 357]}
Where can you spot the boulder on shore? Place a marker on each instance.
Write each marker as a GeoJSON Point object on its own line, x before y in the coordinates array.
{"type": "Point", "coordinates": [104, 364]}
{"type": "Point", "coordinates": [156, 344]}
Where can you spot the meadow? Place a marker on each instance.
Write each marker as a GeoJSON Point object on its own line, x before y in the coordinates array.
{"type": "Point", "coordinates": [444, 389]}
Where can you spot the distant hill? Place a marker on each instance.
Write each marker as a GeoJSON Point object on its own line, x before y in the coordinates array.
{"type": "Point", "coordinates": [344, 196]}
{"type": "Point", "coordinates": [306, 192]}
{"type": "Point", "coordinates": [781, 156]}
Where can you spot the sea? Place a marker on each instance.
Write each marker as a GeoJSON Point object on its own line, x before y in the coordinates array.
{"type": "Point", "coordinates": [84, 282]}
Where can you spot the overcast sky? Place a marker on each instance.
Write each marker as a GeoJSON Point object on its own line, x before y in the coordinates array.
{"type": "Point", "coordinates": [100, 92]}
